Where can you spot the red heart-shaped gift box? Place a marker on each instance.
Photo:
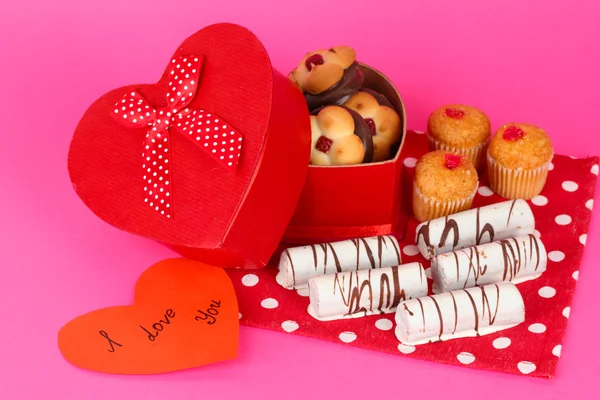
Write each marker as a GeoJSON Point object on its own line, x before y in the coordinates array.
{"type": "Point", "coordinates": [230, 216]}
{"type": "Point", "coordinates": [212, 160]}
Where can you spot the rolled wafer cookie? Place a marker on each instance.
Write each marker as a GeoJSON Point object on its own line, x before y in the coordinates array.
{"type": "Point", "coordinates": [298, 264]}
{"type": "Point", "coordinates": [365, 292]}
{"type": "Point", "coordinates": [516, 259]}
{"type": "Point", "coordinates": [474, 227]}
{"type": "Point", "coordinates": [470, 312]}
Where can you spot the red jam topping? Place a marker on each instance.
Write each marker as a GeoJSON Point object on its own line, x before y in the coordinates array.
{"type": "Point", "coordinates": [315, 59]}
{"type": "Point", "coordinates": [513, 133]}
{"type": "Point", "coordinates": [372, 126]}
{"type": "Point", "coordinates": [323, 144]}
{"type": "Point", "coordinates": [454, 113]}
{"type": "Point", "coordinates": [452, 161]}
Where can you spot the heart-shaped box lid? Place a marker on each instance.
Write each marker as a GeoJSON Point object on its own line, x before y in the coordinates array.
{"type": "Point", "coordinates": [210, 160]}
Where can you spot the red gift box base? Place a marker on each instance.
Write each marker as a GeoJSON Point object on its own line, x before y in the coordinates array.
{"type": "Point", "coordinates": [352, 201]}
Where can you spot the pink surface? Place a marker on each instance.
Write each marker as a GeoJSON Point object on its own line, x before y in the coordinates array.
{"type": "Point", "coordinates": [530, 61]}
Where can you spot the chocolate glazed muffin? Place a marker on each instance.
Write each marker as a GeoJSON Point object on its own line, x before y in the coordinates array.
{"type": "Point", "coordinates": [340, 136]}
{"type": "Point", "coordinates": [328, 77]}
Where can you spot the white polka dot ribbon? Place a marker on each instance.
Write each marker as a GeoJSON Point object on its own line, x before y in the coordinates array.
{"type": "Point", "coordinates": [207, 130]}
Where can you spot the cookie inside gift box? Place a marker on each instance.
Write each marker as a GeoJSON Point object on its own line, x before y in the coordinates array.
{"type": "Point", "coordinates": [358, 123]}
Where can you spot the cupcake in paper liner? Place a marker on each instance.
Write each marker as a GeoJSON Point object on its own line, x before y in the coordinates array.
{"type": "Point", "coordinates": [445, 183]}
{"type": "Point", "coordinates": [518, 158]}
{"type": "Point", "coordinates": [460, 129]}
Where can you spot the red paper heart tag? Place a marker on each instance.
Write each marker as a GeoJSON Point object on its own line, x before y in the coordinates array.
{"type": "Point", "coordinates": [185, 314]}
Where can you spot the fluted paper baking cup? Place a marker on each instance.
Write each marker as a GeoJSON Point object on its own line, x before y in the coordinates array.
{"type": "Point", "coordinates": [426, 208]}
{"type": "Point", "coordinates": [475, 154]}
{"type": "Point", "coordinates": [514, 183]}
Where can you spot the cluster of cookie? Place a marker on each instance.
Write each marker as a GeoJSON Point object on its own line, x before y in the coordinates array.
{"type": "Point", "coordinates": [517, 158]}
{"type": "Point", "coordinates": [351, 124]}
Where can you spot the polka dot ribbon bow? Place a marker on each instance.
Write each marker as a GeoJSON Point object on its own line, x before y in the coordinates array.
{"type": "Point", "coordinates": [208, 131]}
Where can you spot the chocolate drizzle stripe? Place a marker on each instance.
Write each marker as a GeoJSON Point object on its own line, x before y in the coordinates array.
{"type": "Point", "coordinates": [314, 251]}
{"type": "Point", "coordinates": [423, 233]}
{"type": "Point", "coordinates": [510, 212]}
{"type": "Point", "coordinates": [383, 282]}
{"type": "Point", "coordinates": [455, 313]}
{"type": "Point", "coordinates": [287, 253]}
{"type": "Point", "coordinates": [357, 245]}
{"type": "Point", "coordinates": [525, 253]}
{"type": "Point", "coordinates": [439, 316]}
{"type": "Point", "coordinates": [399, 294]}
{"type": "Point", "coordinates": [338, 266]}
{"type": "Point", "coordinates": [457, 266]}
{"type": "Point", "coordinates": [533, 240]}
{"type": "Point", "coordinates": [508, 259]}
{"type": "Point", "coordinates": [370, 291]}
{"type": "Point", "coordinates": [397, 250]}
{"type": "Point", "coordinates": [340, 285]}
{"type": "Point", "coordinates": [379, 249]}
{"type": "Point", "coordinates": [450, 225]}
{"type": "Point", "coordinates": [369, 253]}
{"type": "Point", "coordinates": [486, 228]}
{"type": "Point", "coordinates": [422, 311]}
{"type": "Point", "coordinates": [475, 313]}
{"type": "Point", "coordinates": [485, 300]}
{"type": "Point", "coordinates": [408, 311]}
{"type": "Point", "coordinates": [324, 248]}
{"type": "Point", "coordinates": [474, 265]}
{"type": "Point", "coordinates": [519, 263]}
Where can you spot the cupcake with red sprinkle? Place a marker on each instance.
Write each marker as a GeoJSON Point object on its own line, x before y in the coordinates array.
{"type": "Point", "coordinates": [518, 159]}
{"type": "Point", "coordinates": [460, 129]}
{"type": "Point", "coordinates": [445, 183]}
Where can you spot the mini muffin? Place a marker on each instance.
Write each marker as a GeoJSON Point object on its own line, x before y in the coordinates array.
{"type": "Point", "coordinates": [460, 129]}
{"type": "Point", "coordinates": [328, 77]}
{"type": "Point", "coordinates": [518, 159]}
{"type": "Point", "coordinates": [340, 136]}
{"type": "Point", "coordinates": [445, 183]}
{"type": "Point", "coordinates": [383, 120]}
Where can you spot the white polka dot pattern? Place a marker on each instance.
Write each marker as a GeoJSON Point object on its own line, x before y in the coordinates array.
{"type": "Point", "coordinates": [410, 162]}
{"type": "Point", "coordinates": [207, 130]}
{"type": "Point", "coordinates": [465, 358]}
{"type": "Point", "coordinates": [501, 343]}
{"type": "Point", "coordinates": [556, 350]}
{"type": "Point", "coordinates": [526, 367]}
{"type": "Point", "coordinates": [347, 337]}
{"type": "Point", "coordinates": [384, 324]}
{"type": "Point", "coordinates": [485, 191]}
{"type": "Point", "coordinates": [410, 250]}
{"type": "Point", "coordinates": [213, 135]}
{"type": "Point", "coordinates": [570, 186]}
{"type": "Point", "coordinates": [406, 348]}
{"type": "Point", "coordinates": [531, 348]}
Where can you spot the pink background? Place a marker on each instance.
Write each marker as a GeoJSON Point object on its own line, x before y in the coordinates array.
{"type": "Point", "coordinates": [534, 61]}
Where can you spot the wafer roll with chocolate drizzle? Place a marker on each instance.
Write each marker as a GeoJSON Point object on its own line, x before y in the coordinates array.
{"type": "Point", "coordinates": [517, 260]}
{"type": "Point", "coordinates": [360, 293]}
{"type": "Point", "coordinates": [474, 227]}
{"type": "Point", "coordinates": [470, 312]}
{"type": "Point", "coordinates": [298, 264]}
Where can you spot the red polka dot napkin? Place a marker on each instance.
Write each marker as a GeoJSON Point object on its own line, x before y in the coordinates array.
{"type": "Point", "coordinates": [533, 348]}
